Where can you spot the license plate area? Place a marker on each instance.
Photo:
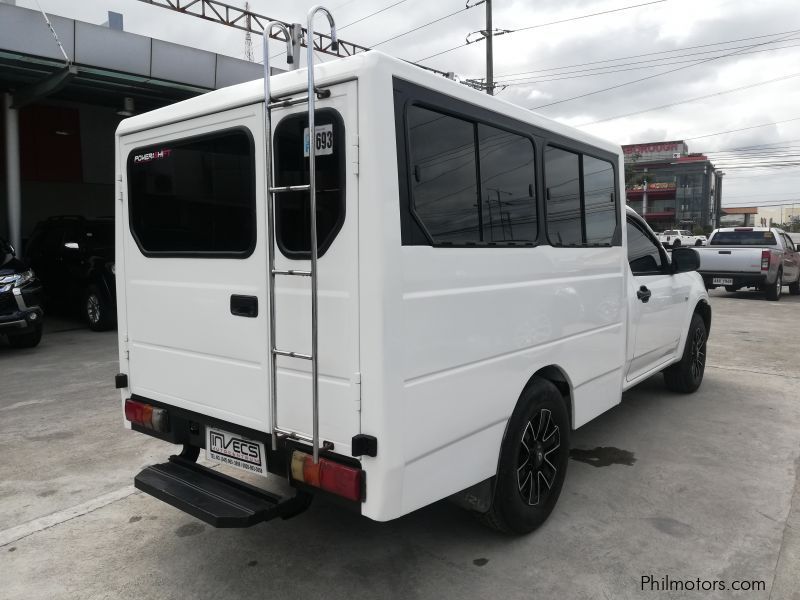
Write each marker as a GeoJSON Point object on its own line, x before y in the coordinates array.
{"type": "Point", "coordinates": [236, 451]}
{"type": "Point", "coordinates": [722, 281]}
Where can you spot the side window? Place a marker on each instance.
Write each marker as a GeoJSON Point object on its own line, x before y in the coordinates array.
{"type": "Point", "coordinates": [600, 207]}
{"type": "Point", "coordinates": [292, 216]}
{"type": "Point", "coordinates": [508, 202]}
{"type": "Point", "coordinates": [562, 176]}
{"type": "Point", "coordinates": [194, 197]}
{"type": "Point", "coordinates": [444, 175]}
{"type": "Point", "coordinates": [581, 200]}
{"type": "Point", "coordinates": [644, 256]}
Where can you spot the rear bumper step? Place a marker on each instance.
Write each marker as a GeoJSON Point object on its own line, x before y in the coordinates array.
{"type": "Point", "coordinates": [213, 497]}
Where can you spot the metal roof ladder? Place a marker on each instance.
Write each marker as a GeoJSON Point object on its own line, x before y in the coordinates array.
{"type": "Point", "coordinates": [273, 191]}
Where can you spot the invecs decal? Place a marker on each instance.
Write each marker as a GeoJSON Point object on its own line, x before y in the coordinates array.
{"type": "Point", "coordinates": [149, 156]}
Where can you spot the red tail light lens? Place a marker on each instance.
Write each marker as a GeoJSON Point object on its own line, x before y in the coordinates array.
{"type": "Point", "coordinates": [328, 475]}
{"type": "Point", "coordinates": [765, 256]}
{"type": "Point", "coordinates": [146, 415]}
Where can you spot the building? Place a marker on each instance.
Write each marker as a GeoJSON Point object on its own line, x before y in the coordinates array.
{"type": "Point", "coordinates": [671, 187]}
{"type": "Point", "coordinates": [739, 216]}
{"type": "Point", "coordinates": [59, 113]}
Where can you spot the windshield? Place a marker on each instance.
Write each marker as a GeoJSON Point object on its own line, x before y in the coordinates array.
{"type": "Point", "coordinates": [743, 238]}
{"type": "Point", "coordinates": [685, 232]}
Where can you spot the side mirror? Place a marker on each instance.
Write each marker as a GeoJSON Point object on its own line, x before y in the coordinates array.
{"type": "Point", "coordinates": [798, 247]}
{"type": "Point", "coordinates": [685, 260]}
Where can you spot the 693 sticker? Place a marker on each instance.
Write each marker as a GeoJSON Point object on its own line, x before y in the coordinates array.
{"type": "Point", "coordinates": [323, 140]}
{"type": "Point", "coordinates": [236, 451]}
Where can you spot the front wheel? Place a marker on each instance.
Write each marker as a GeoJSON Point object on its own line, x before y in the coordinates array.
{"type": "Point", "coordinates": [686, 375]}
{"type": "Point", "coordinates": [533, 461]}
{"type": "Point", "coordinates": [776, 289]}
{"type": "Point", "coordinates": [676, 244]}
{"type": "Point", "coordinates": [698, 243]}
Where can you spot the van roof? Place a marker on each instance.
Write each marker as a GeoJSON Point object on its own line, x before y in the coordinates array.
{"type": "Point", "coordinates": [352, 67]}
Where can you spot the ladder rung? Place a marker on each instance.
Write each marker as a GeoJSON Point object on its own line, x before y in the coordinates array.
{"type": "Point", "coordinates": [291, 272]}
{"type": "Point", "coordinates": [291, 354]}
{"type": "Point", "coordinates": [289, 102]}
{"type": "Point", "coordinates": [290, 188]}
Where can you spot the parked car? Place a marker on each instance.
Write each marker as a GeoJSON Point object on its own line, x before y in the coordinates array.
{"type": "Point", "coordinates": [680, 237]}
{"type": "Point", "coordinates": [20, 308]}
{"type": "Point", "coordinates": [751, 257]}
{"type": "Point", "coordinates": [74, 258]}
{"type": "Point", "coordinates": [460, 337]}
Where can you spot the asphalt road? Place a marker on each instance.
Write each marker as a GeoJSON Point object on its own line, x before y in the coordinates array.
{"type": "Point", "coordinates": [687, 487]}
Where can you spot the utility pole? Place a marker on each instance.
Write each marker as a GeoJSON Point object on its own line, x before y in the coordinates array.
{"type": "Point", "coordinates": [248, 41]}
{"type": "Point", "coordinates": [489, 50]}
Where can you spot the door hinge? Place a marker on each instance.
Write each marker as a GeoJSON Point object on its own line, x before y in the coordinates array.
{"type": "Point", "coordinates": [356, 156]}
{"type": "Point", "coordinates": [357, 383]}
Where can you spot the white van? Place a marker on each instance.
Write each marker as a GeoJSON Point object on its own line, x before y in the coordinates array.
{"type": "Point", "coordinates": [481, 292]}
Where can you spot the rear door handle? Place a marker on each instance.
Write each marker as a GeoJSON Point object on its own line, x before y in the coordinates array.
{"type": "Point", "coordinates": [644, 294]}
{"type": "Point", "coordinates": [244, 306]}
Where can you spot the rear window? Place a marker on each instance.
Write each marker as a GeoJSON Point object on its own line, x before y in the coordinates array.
{"type": "Point", "coordinates": [194, 196]}
{"type": "Point", "coordinates": [743, 238]}
{"type": "Point", "coordinates": [292, 209]}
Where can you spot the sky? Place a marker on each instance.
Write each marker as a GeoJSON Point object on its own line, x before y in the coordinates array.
{"type": "Point", "coordinates": [738, 61]}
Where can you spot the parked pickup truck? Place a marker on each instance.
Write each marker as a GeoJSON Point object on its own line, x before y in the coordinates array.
{"type": "Point", "coordinates": [755, 257]}
{"type": "Point", "coordinates": [680, 237]}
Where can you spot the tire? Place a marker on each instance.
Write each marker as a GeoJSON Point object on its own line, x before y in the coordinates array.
{"type": "Point", "coordinates": [776, 289]}
{"type": "Point", "coordinates": [794, 288]}
{"type": "Point", "coordinates": [30, 339]}
{"type": "Point", "coordinates": [676, 244]}
{"type": "Point", "coordinates": [686, 375]}
{"type": "Point", "coordinates": [97, 310]}
{"type": "Point", "coordinates": [533, 461]}
{"type": "Point", "coordinates": [698, 243]}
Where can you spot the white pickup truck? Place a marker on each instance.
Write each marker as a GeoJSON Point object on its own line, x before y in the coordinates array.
{"type": "Point", "coordinates": [756, 257]}
{"type": "Point", "coordinates": [680, 237]}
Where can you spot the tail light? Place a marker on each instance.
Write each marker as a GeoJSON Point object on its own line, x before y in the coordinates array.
{"type": "Point", "coordinates": [146, 416]}
{"type": "Point", "coordinates": [327, 475]}
{"type": "Point", "coordinates": [765, 256]}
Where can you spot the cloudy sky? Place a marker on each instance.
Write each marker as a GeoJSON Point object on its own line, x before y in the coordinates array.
{"type": "Point", "coordinates": [738, 61]}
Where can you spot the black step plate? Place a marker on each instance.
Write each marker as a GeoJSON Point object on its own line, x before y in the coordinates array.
{"type": "Point", "coordinates": [213, 497]}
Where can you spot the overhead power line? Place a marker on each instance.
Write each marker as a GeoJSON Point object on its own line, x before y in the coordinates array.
{"type": "Point", "coordinates": [682, 49]}
{"type": "Point", "coordinates": [623, 67]}
{"type": "Point", "coordinates": [372, 14]}
{"type": "Point", "coordinates": [627, 83]}
{"type": "Point", "coordinates": [699, 137]}
{"type": "Point", "coordinates": [538, 25]}
{"type": "Point", "coordinates": [688, 100]}
{"type": "Point", "coordinates": [424, 25]}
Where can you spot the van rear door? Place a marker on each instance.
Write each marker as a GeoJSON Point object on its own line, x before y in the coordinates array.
{"type": "Point", "coordinates": [194, 322]}
{"type": "Point", "coordinates": [195, 268]}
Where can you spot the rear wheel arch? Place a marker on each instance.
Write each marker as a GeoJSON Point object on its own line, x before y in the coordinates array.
{"type": "Point", "coordinates": [556, 375]}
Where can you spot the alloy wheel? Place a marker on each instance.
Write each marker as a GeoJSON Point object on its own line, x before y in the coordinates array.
{"type": "Point", "coordinates": [93, 308]}
{"type": "Point", "coordinates": [698, 356]}
{"type": "Point", "coordinates": [536, 463]}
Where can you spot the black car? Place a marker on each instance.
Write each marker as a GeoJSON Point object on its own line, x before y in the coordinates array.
{"type": "Point", "coordinates": [20, 310]}
{"type": "Point", "coordinates": [74, 258]}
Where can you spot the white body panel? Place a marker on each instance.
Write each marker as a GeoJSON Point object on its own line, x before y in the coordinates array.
{"type": "Point", "coordinates": [437, 343]}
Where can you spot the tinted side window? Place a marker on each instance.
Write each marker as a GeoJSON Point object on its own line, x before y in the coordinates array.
{"type": "Point", "coordinates": [562, 176]}
{"type": "Point", "coordinates": [443, 175]}
{"type": "Point", "coordinates": [292, 210]}
{"type": "Point", "coordinates": [194, 197]}
{"type": "Point", "coordinates": [508, 203]}
{"type": "Point", "coordinates": [644, 256]}
{"type": "Point", "coordinates": [599, 201]}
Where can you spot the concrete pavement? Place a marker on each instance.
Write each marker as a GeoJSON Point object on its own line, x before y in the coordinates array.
{"type": "Point", "coordinates": [702, 486]}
